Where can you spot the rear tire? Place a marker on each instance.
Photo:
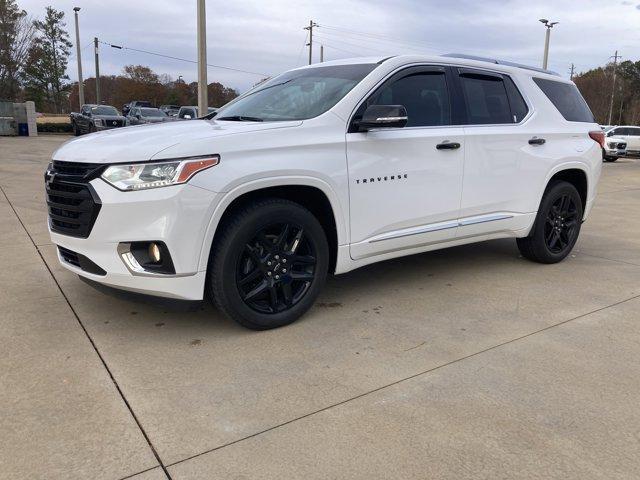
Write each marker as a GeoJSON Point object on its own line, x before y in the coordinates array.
{"type": "Point", "coordinates": [556, 227]}
{"type": "Point", "coordinates": [268, 264]}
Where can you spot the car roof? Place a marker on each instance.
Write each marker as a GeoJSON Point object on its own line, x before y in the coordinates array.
{"type": "Point", "coordinates": [448, 59]}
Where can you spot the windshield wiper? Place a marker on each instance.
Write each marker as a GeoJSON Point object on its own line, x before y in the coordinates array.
{"type": "Point", "coordinates": [241, 118]}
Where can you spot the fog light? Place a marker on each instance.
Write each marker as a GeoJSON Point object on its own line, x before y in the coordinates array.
{"type": "Point", "coordinates": [154, 252]}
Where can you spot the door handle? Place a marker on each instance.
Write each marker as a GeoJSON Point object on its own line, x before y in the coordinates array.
{"type": "Point", "coordinates": [448, 145]}
{"type": "Point", "coordinates": [537, 141]}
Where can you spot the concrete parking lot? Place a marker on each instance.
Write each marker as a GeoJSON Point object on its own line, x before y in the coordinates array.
{"type": "Point", "coordinates": [465, 363]}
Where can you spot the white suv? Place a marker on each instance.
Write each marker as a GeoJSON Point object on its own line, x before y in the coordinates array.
{"type": "Point", "coordinates": [624, 137]}
{"type": "Point", "coordinates": [325, 169]}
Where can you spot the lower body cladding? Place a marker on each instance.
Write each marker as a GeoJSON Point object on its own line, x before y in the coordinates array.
{"type": "Point", "coordinates": [146, 241]}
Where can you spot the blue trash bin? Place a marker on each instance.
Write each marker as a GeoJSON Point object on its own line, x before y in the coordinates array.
{"type": "Point", "coordinates": [23, 130]}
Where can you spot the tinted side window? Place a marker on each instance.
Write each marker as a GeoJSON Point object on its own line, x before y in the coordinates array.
{"type": "Point", "coordinates": [567, 99]}
{"type": "Point", "coordinates": [635, 132]}
{"type": "Point", "coordinates": [423, 94]}
{"type": "Point", "coordinates": [486, 99]}
{"type": "Point", "coordinates": [519, 107]}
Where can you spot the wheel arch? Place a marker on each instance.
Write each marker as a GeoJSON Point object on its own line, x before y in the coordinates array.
{"type": "Point", "coordinates": [312, 193]}
{"type": "Point", "coordinates": [574, 173]}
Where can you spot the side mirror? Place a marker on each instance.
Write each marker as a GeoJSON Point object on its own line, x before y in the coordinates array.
{"type": "Point", "coordinates": [610, 134]}
{"type": "Point", "coordinates": [187, 117]}
{"type": "Point", "coordinates": [383, 116]}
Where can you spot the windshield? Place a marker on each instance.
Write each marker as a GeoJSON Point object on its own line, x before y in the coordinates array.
{"type": "Point", "coordinates": [296, 95]}
{"type": "Point", "coordinates": [104, 111]}
{"type": "Point", "coordinates": [152, 112]}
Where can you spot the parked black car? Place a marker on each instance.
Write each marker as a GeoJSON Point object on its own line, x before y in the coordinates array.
{"type": "Point", "coordinates": [135, 103]}
{"type": "Point", "coordinates": [93, 118]}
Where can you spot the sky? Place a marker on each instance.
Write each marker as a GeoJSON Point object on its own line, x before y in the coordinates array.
{"type": "Point", "coordinates": [267, 37]}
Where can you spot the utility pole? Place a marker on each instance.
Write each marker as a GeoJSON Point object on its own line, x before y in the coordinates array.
{"type": "Point", "coordinates": [203, 101]}
{"type": "Point", "coordinates": [573, 71]}
{"type": "Point", "coordinates": [621, 103]}
{"type": "Point", "coordinates": [310, 44]}
{"type": "Point", "coordinates": [613, 87]}
{"type": "Point", "coordinates": [95, 46]}
{"type": "Point", "coordinates": [321, 53]}
{"type": "Point", "coordinates": [80, 82]}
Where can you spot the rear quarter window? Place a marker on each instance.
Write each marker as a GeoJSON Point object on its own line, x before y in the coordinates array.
{"type": "Point", "coordinates": [567, 99]}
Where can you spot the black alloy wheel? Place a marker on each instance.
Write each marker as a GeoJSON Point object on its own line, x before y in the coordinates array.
{"type": "Point", "coordinates": [557, 225]}
{"type": "Point", "coordinates": [561, 224]}
{"type": "Point", "coordinates": [268, 263]}
{"type": "Point", "coordinates": [276, 268]}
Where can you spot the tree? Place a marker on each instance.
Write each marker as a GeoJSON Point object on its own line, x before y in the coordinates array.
{"type": "Point", "coordinates": [48, 58]}
{"type": "Point", "coordinates": [596, 84]}
{"type": "Point", "coordinates": [140, 73]}
{"type": "Point", "coordinates": [16, 37]}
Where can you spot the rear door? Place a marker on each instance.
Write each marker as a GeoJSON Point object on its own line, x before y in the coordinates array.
{"type": "Point", "coordinates": [404, 187]}
{"type": "Point", "coordinates": [500, 166]}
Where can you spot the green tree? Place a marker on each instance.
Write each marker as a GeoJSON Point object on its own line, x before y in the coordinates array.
{"type": "Point", "coordinates": [48, 59]}
{"type": "Point", "coordinates": [16, 36]}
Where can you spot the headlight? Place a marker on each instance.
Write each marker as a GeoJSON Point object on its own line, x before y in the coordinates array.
{"type": "Point", "coordinates": [612, 145]}
{"type": "Point", "coordinates": [140, 176]}
{"type": "Point", "coordinates": [98, 122]}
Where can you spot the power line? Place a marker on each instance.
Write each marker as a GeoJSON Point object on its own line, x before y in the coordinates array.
{"type": "Point", "coordinates": [121, 47]}
{"type": "Point", "coordinates": [304, 44]}
{"type": "Point", "coordinates": [352, 44]}
{"type": "Point", "coordinates": [342, 49]}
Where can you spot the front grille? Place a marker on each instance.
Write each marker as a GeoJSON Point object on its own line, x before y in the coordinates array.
{"type": "Point", "coordinates": [622, 146]}
{"type": "Point", "coordinates": [72, 203]}
{"type": "Point", "coordinates": [73, 169]}
{"type": "Point", "coordinates": [80, 261]}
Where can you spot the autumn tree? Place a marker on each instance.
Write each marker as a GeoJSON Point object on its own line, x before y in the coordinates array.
{"type": "Point", "coordinates": [596, 87]}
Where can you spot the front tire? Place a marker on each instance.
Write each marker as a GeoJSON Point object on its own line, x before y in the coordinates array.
{"type": "Point", "coordinates": [557, 225]}
{"type": "Point", "coordinates": [610, 159]}
{"type": "Point", "coordinates": [268, 264]}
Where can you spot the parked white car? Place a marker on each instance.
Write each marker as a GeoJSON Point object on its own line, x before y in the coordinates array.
{"type": "Point", "coordinates": [327, 168]}
{"type": "Point", "coordinates": [627, 134]}
{"type": "Point", "coordinates": [614, 147]}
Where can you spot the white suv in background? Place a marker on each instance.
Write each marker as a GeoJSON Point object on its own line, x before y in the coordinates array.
{"type": "Point", "coordinates": [626, 134]}
{"type": "Point", "coordinates": [324, 169]}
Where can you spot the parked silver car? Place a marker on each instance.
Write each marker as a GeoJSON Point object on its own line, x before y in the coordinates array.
{"type": "Point", "coordinates": [144, 115]}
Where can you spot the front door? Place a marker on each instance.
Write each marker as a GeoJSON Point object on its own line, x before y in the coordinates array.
{"type": "Point", "coordinates": [405, 183]}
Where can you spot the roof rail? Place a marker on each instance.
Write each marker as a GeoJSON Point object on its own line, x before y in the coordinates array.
{"type": "Point", "coordinates": [500, 62]}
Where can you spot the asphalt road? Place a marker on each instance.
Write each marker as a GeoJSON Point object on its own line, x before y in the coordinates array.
{"type": "Point", "coordinates": [465, 363]}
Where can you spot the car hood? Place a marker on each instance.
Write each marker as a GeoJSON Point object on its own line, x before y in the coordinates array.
{"type": "Point", "coordinates": [109, 117]}
{"type": "Point", "coordinates": [143, 142]}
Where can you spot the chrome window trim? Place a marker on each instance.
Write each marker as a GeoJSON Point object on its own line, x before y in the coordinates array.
{"type": "Point", "coordinates": [515, 81]}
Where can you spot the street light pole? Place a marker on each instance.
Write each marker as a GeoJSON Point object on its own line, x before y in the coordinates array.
{"type": "Point", "coordinates": [203, 102]}
{"type": "Point", "coordinates": [547, 36]}
{"type": "Point", "coordinates": [95, 46]}
{"type": "Point", "coordinates": [80, 81]}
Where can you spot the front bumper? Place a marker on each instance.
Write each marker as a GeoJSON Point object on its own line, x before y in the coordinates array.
{"type": "Point", "coordinates": [176, 215]}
